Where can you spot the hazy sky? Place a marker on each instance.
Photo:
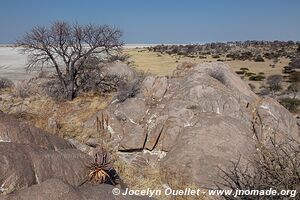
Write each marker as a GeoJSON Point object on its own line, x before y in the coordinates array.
{"type": "Point", "coordinates": [161, 21]}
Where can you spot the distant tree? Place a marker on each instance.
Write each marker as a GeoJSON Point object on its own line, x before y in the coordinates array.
{"type": "Point", "coordinates": [274, 82]}
{"type": "Point", "coordinates": [68, 48]}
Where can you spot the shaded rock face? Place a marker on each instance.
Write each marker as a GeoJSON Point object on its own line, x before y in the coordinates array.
{"type": "Point", "coordinates": [198, 120]}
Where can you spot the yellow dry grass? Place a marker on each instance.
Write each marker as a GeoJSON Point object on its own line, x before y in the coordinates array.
{"type": "Point", "coordinates": [69, 115]}
{"type": "Point", "coordinates": [164, 64]}
{"type": "Point", "coordinates": [141, 178]}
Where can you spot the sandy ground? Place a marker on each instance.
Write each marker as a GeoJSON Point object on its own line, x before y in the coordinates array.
{"type": "Point", "coordinates": [12, 64]}
{"type": "Point", "coordinates": [164, 64]}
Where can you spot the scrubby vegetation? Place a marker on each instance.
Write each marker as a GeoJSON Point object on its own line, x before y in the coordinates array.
{"type": "Point", "coordinates": [257, 78]}
{"type": "Point", "coordinates": [5, 83]}
{"type": "Point", "coordinates": [292, 104]}
{"type": "Point", "coordinates": [248, 50]}
{"type": "Point", "coordinates": [276, 166]}
{"type": "Point", "coordinates": [128, 90]}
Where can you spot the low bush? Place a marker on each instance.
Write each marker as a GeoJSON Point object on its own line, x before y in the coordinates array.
{"type": "Point", "coordinates": [288, 70]}
{"type": "Point", "coordinates": [54, 89]}
{"type": "Point", "coordinates": [215, 56]}
{"type": "Point", "coordinates": [291, 104]}
{"type": "Point", "coordinates": [240, 72]}
{"type": "Point", "coordinates": [127, 90]}
{"type": "Point", "coordinates": [259, 59]}
{"type": "Point", "coordinates": [256, 78]}
{"type": "Point", "coordinates": [294, 88]}
{"type": "Point", "coordinates": [276, 166]}
{"type": "Point", "coordinates": [274, 82]}
{"type": "Point", "coordinates": [295, 63]}
{"type": "Point", "coordinates": [249, 74]}
{"type": "Point", "coordinates": [22, 89]}
{"type": "Point", "coordinates": [5, 83]}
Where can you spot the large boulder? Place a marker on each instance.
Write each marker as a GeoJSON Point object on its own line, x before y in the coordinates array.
{"type": "Point", "coordinates": [211, 143]}
{"type": "Point", "coordinates": [25, 164]}
{"type": "Point", "coordinates": [119, 69]}
{"type": "Point", "coordinates": [14, 130]}
{"type": "Point", "coordinates": [30, 156]}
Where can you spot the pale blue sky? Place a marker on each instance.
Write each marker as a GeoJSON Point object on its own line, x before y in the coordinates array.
{"type": "Point", "coordinates": [161, 21]}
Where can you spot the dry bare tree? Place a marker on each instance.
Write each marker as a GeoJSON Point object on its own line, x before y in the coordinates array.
{"type": "Point", "coordinates": [68, 48]}
{"type": "Point", "coordinates": [274, 82]}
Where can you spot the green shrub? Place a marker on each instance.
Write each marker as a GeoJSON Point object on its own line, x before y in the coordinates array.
{"type": "Point", "coordinates": [259, 59]}
{"type": "Point", "coordinates": [256, 78]}
{"type": "Point", "coordinates": [291, 104]}
{"type": "Point", "coordinates": [294, 88]}
{"type": "Point", "coordinates": [244, 69]}
{"type": "Point", "coordinates": [249, 74]}
{"type": "Point", "coordinates": [240, 72]}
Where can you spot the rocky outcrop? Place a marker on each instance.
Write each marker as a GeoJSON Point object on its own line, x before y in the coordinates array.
{"type": "Point", "coordinates": [30, 156]}
{"type": "Point", "coordinates": [196, 122]}
{"type": "Point", "coordinates": [38, 165]}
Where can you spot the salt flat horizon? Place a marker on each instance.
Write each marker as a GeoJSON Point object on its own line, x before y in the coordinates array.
{"type": "Point", "coordinates": [13, 63]}
{"type": "Point", "coordinates": [129, 45]}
